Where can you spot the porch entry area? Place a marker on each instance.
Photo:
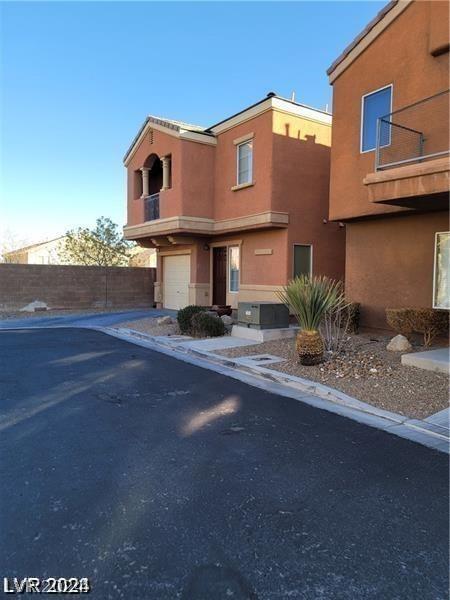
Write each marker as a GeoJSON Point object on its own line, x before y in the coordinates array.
{"type": "Point", "coordinates": [225, 272]}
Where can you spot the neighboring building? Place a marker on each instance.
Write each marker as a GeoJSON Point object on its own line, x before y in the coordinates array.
{"type": "Point", "coordinates": [42, 253]}
{"type": "Point", "coordinates": [390, 181]}
{"type": "Point", "coordinates": [48, 253]}
{"type": "Point", "coordinates": [237, 209]}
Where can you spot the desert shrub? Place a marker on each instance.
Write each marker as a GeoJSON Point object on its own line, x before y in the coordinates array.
{"type": "Point", "coordinates": [398, 319]}
{"type": "Point", "coordinates": [335, 329]}
{"type": "Point", "coordinates": [205, 325]}
{"type": "Point", "coordinates": [351, 316]}
{"type": "Point", "coordinates": [427, 321]}
{"type": "Point", "coordinates": [184, 316]}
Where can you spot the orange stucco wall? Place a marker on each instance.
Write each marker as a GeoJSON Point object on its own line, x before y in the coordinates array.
{"type": "Point", "coordinates": [192, 186]}
{"type": "Point", "coordinates": [251, 200]}
{"type": "Point", "coordinates": [291, 158]}
{"type": "Point", "coordinates": [301, 163]}
{"type": "Point", "coordinates": [390, 263]}
{"type": "Point", "coordinates": [400, 55]}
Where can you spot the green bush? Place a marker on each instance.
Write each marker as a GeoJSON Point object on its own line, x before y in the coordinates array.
{"type": "Point", "coordinates": [427, 321]}
{"type": "Point", "coordinates": [184, 316]}
{"type": "Point", "coordinates": [205, 325]}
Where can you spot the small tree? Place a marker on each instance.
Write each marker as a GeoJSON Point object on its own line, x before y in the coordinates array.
{"type": "Point", "coordinates": [102, 246]}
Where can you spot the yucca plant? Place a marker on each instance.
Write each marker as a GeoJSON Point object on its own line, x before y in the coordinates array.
{"type": "Point", "coordinates": [309, 299]}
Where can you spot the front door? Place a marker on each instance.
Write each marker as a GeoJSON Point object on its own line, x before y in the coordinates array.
{"type": "Point", "coordinates": [220, 275]}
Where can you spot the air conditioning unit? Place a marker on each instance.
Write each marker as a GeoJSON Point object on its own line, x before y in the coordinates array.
{"type": "Point", "coordinates": [263, 315]}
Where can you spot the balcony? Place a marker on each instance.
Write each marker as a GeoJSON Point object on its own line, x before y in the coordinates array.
{"type": "Point", "coordinates": [151, 207]}
{"type": "Point", "coordinates": [167, 229]}
{"type": "Point", "coordinates": [412, 155]}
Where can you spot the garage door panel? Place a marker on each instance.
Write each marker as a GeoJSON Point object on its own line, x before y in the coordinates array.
{"type": "Point", "coordinates": [176, 275]}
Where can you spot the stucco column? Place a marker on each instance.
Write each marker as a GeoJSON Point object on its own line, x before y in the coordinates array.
{"type": "Point", "coordinates": [166, 172]}
{"type": "Point", "coordinates": [145, 186]}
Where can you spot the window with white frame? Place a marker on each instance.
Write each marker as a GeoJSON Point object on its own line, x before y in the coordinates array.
{"type": "Point", "coordinates": [233, 268]}
{"type": "Point", "coordinates": [302, 260]}
{"type": "Point", "coordinates": [245, 162]}
{"type": "Point", "coordinates": [375, 105]}
{"type": "Point", "coordinates": [441, 283]}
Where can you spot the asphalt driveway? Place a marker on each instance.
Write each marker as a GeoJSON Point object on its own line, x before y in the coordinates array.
{"type": "Point", "coordinates": [160, 480]}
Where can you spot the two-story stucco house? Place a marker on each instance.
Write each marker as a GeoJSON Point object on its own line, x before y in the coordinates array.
{"type": "Point", "coordinates": [390, 159]}
{"type": "Point", "coordinates": [237, 209]}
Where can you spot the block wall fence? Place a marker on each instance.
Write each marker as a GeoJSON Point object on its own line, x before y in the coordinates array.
{"type": "Point", "coordinates": [75, 286]}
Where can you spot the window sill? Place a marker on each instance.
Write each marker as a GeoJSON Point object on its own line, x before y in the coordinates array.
{"type": "Point", "coordinates": [241, 186]}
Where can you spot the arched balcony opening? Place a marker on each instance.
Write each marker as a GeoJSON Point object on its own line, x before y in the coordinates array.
{"type": "Point", "coordinates": [155, 178]}
{"type": "Point", "coordinates": [152, 180]}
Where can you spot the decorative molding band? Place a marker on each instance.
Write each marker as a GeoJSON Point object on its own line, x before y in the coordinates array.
{"type": "Point", "coordinates": [242, 186]}
{"type": "Point", "coordinates": [260, 288]}
{"type": "Point", "coordinates": [192, 136]}
{"type": "Point", "coordinates": [200, 225]}
{"type": "Point", "coordinates": [173, 252]}
{"type": "Point", "coordinates": [244, 138]}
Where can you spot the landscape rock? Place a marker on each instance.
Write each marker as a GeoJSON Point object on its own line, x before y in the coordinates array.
{"type": "Point", "coordinates": [165, 320]}
{"type": "Point", "coordinates": [227, 320]}
{"type": "Point", "coordinates": [399, 343]}
{"type": "Point", "coordinates": [34, 306]}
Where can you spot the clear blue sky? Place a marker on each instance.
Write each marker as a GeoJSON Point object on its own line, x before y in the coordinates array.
{"type": "Point", "coordinates": [78, 79]}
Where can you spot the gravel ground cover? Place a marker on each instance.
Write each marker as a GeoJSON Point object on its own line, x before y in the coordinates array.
{"type": "Point", "coordinates": [150, 326]}
{"type": "Point", "coordinates": [366, 371]}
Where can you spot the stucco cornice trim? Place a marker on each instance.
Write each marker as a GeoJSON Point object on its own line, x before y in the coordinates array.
{"type": "Point", "coordinates": [199, 225]}
{"type": "Point", "coordinates": [272, 103]}
{"type": "Point", "coordinates": [366, 37]}
{"type": "Point", "coordinates": [183, 134]}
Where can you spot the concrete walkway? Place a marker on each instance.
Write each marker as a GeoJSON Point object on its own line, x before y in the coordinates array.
{"type": "Point", "coordinates": [431, 360]}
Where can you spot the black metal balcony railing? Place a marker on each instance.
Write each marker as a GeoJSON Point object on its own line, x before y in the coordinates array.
{"type": "Point", "coordinates": [415, 133]}
{"type": "Point", "coordinates": [151, 207]}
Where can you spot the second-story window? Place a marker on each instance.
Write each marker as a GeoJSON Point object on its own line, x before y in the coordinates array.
{"type": "Point", "coordinates": [375, 105]}
{"type": "Point", "coordinates": [245, 162]}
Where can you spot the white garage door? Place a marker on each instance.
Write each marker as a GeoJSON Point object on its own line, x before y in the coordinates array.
{"type": "Point", "coordinates": [176, 275]}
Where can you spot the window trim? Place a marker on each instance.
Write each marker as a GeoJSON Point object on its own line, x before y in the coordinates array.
{"type": "Point", "coordinates": [385, 87]}
{"type": "Point", "coordinates": [310, 258]}
{"type": "Point", "coordinates": [250, 181]}
{"type": "Point", "coordinates": [230, 291]}
{"type": "Point", "coordinates": [435, 271]}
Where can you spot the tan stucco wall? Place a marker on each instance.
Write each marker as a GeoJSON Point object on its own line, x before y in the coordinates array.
{"type": "Point", "coordinates": [390, 263]}
{"type": "Point", "coordinates": [400, 55]}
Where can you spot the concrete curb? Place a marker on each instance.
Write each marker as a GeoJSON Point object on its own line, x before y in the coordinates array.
{"type": "Point", "coordinates": [304, 390]}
